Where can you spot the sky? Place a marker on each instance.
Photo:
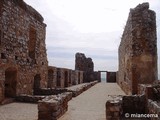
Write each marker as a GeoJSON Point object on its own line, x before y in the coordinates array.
{"type": "Point", "coordinates": [93, 27]}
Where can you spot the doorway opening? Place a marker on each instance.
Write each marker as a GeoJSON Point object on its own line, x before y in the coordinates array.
{"type": "Point", "coordinates": [103, 76]}
{"type": "Point", "coordinates": [10, 82]}
{"type": "Point", "coordinates": [36, 86]}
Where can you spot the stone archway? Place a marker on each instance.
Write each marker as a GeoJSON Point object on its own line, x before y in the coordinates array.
{"type": "Point", "coordinates": [10, 82]}
{"type": "Point", "coordinates": [36, 85]}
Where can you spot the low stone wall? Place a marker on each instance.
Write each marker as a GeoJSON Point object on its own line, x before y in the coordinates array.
{"type": "Point", "coordinates": [146, 89]}
{"type": "Point", "coordinates": [29, 98]}
{"type": "Point", "coordinates": [123, 107]}
{"type": "Point", "coordinates": [150, 91]}
{"type": "Point", "coordinates": [53, 107]}
{"type": "Point", "coordinates": [50, 91]}
{"type": "Point", "coordinates": [154, 108]}
{"type": "Point", "coordinates": [78, 89]}
{"type": "Point", "coordinates": [53, 103]}
{"type": "Point", "coordinates": [134, 104]}
{"type": "Point", "coordinates": [113, 109]}
{"type": "Point", "coordinates": [44, 92]}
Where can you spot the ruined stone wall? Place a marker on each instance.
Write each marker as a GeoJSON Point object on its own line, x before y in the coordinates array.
{"type": "Point", "coordinates": [60, 78]}
{"type": "Point", "coordinates": [76, 77]}
{"type": "Point", "coordinates": [67, 79]}
{"type": "Point", "coordinates": [111, 77]}
{"type": "Point", "coordinates": [22, 48]}
{"type": "Point", "coordinates": [52, 77]}
{"type": "Point", "coordinates": [153, 107]}
{"type": "Point", "coordinates": [81, 77]}
{"type": "Point", "coordinates": [121, 107]}
{"type": "Point", "coordinates": [97, 76]}
{"type": "Point", "coordinates": [138, 50]}
{"type": "Point", "coordinates": [53, 107]}
{"type": "Point", "coordinates": [73, 77]}
{"type": "Point", "coordinates": [64, 77]}
{"type": "Point", "coordinates": [70, 77]}
{"type": "Point", "coordinates": [85, 64]}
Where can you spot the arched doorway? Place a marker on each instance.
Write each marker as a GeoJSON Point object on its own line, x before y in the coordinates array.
{"type": "Point", "coordinates": [36, 85]}
{"type": "Point", "coordinates": [10, 82]}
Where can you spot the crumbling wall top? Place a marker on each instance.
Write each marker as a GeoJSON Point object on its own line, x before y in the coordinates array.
{"type": "Point", "coordinates": [27, 8]}
{"type": "Point", "coordinates": [142, 6]}
{"type": "Point", "coordinates": [83, 63]}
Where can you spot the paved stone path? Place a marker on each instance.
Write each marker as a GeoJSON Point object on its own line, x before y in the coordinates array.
{"type": "Point", "coordinates": [19, 111]}
{"type": "Point", "coordinates": [90, 105]}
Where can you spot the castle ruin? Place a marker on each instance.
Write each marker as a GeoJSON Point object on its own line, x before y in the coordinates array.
{"type": "Point", "coordinates": [24, 70]}
{"type": "Point", "coordinates": [85, 64]}
{"type": "Point", "coordinates": [138, 50]}
{"type": "Point", "coordinates": [23, 58]}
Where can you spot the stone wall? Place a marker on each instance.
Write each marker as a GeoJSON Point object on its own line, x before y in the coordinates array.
{"type": "Point", "coordinates": [67, 77]}
{"type": "Point", "coordinates": [138, 50]}
{"type": "Point", "coordinates": [78, 89]}
{"type": "Point", "coordinates": [111, 77]}
{"type": "Point", "coordinates": [80, 77]}
{"type": "Point", "coordinates": [151, 91]}
{"type": "Point", "coordinates": [73, 77]}
{"type": "Point", "coordinates": [85, 64]}
{"type": "Point", "coordinates": [121, 108]}
{"type": "Point", "coordinates": [76, 77]}
{"type": "Point", "coordinates": [134, 104]}
{"type": "Point", "coordinates": [53, 107]}
{"type": "Point", "coordinates": [147, 90]}
{"type": "Point", "coordinates": [29, 98]}
{"type": "Point", "coordinates": [154, 108]}
{"type": "Point", "coordinates": [23, 58]}
{"type": "Point", "coordinates": [97, 76]}
{"type": "Point", "coordinates": [114, 109]}
{"type": "Point", "coordinates": [52, 77]}
{"type": "Point", "coordinates": [63, 77]}
{"type": "Point", "coordinates": [135, 107]}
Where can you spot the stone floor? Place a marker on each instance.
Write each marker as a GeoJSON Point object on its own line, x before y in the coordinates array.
{"type": "Point", "coordinates": [19, 111]}
{"type": "Point", "coordinates": [90, 105]}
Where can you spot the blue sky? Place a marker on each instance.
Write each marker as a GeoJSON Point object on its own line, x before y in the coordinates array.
{"type": "Point", "coordinates": [93, 27]}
